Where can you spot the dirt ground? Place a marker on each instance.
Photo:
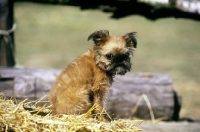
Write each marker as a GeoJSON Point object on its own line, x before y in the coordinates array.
{"type": "Point", "coordinates": [171, 127]}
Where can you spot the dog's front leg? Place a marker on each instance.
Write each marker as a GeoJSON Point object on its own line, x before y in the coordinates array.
{"type": "Point", "coordinates": [99, 95]}
{"type": "Point", "coordinates": [98, 103]}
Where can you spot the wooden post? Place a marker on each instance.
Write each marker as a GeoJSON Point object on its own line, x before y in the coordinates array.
{"type": "Point", "coordinates": [6, 34]}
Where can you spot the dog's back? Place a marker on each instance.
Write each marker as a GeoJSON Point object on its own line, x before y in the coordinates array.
{"type": "Point", "coordinates": [72, 93]}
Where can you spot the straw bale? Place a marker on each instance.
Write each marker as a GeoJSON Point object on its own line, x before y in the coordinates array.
{"type": "Point", "coordinates": [13, 117]}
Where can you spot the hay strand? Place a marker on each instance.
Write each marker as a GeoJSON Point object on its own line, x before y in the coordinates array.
{"type": "Point", "coordinates": [13, 117]}
{"type": "Point", "coordinates": [144, 96]}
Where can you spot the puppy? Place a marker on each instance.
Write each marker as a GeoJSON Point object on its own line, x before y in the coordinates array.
{"type": "Point", "coordinates": [84, 82]}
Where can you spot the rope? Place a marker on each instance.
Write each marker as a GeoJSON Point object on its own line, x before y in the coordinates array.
{"type": "Point", "coordinates": [7, 32]}
{"type": "Point", "coordinates": [8, 44]}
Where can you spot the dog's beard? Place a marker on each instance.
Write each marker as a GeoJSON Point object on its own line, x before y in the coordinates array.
{"type": "Point", "coordinates": [119, 69]}
{"type": "Point", "coordinates": [113, 67]}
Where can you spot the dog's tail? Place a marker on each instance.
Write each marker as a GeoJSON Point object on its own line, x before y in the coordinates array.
{"type": "Point", "coordinates": [33, 109]}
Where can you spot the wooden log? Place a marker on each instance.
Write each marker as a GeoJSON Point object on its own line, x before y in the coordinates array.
{"type": "Point", "coordinates": [27, 83]}
{"type": "Point", "coordinates": [120, 100]}
{"type": "Point", "coordinates": [134, 88]}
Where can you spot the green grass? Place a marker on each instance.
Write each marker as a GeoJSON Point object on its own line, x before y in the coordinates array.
{"type": "Point", "coordinates": [51, 36]}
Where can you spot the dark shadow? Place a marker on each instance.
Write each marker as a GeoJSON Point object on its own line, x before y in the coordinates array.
{"type": "Point", "coordinates": [177, 106]}
{"type": "Point", "coordinates": [150, 12]}
{"type": "Point", "coordinates": [123, 8]}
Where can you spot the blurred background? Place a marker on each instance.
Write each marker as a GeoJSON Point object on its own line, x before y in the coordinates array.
{"type": "Point", "coordinates": [53, 35]}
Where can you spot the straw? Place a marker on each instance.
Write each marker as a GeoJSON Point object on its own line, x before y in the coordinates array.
{"type": "Point", "coordinates": [13, 117]}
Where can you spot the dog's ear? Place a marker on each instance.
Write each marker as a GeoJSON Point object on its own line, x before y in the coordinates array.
{"type": "Point", "coordinates": [130, 39]}
{"type": "Point", "coordinates": [99, 37]}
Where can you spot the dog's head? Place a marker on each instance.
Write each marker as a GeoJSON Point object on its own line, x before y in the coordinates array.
{"type": "Point", "coordinates": [112, 54]}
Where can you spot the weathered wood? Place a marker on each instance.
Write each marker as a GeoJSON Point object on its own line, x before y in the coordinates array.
{"type": "Point", "coordinates": [28, 83]}
{"type": "Point", "coordinates": [120, 100]}
{"type": "Point", "coordinates": [6, 85]}
{"type": "Point", "coordinates": [127, 90]}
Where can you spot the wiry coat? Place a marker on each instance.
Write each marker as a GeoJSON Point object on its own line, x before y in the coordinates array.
{"type": "Point", "coordinates": [74, 90]}
{"type": "Point", "coordinates": [84, 82]}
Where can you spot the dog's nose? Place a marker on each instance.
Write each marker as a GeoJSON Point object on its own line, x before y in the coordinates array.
{"type": "Point", "coordinates": [120, 58]}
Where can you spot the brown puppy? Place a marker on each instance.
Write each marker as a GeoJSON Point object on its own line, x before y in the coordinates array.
{"type": "Point", "coordinates": [84, 82]}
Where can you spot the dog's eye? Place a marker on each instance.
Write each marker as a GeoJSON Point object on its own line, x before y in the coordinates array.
{"type": "Point", "coordinates": [110, 56]}
{"type": "Point", "coordinates": [126, 56]}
